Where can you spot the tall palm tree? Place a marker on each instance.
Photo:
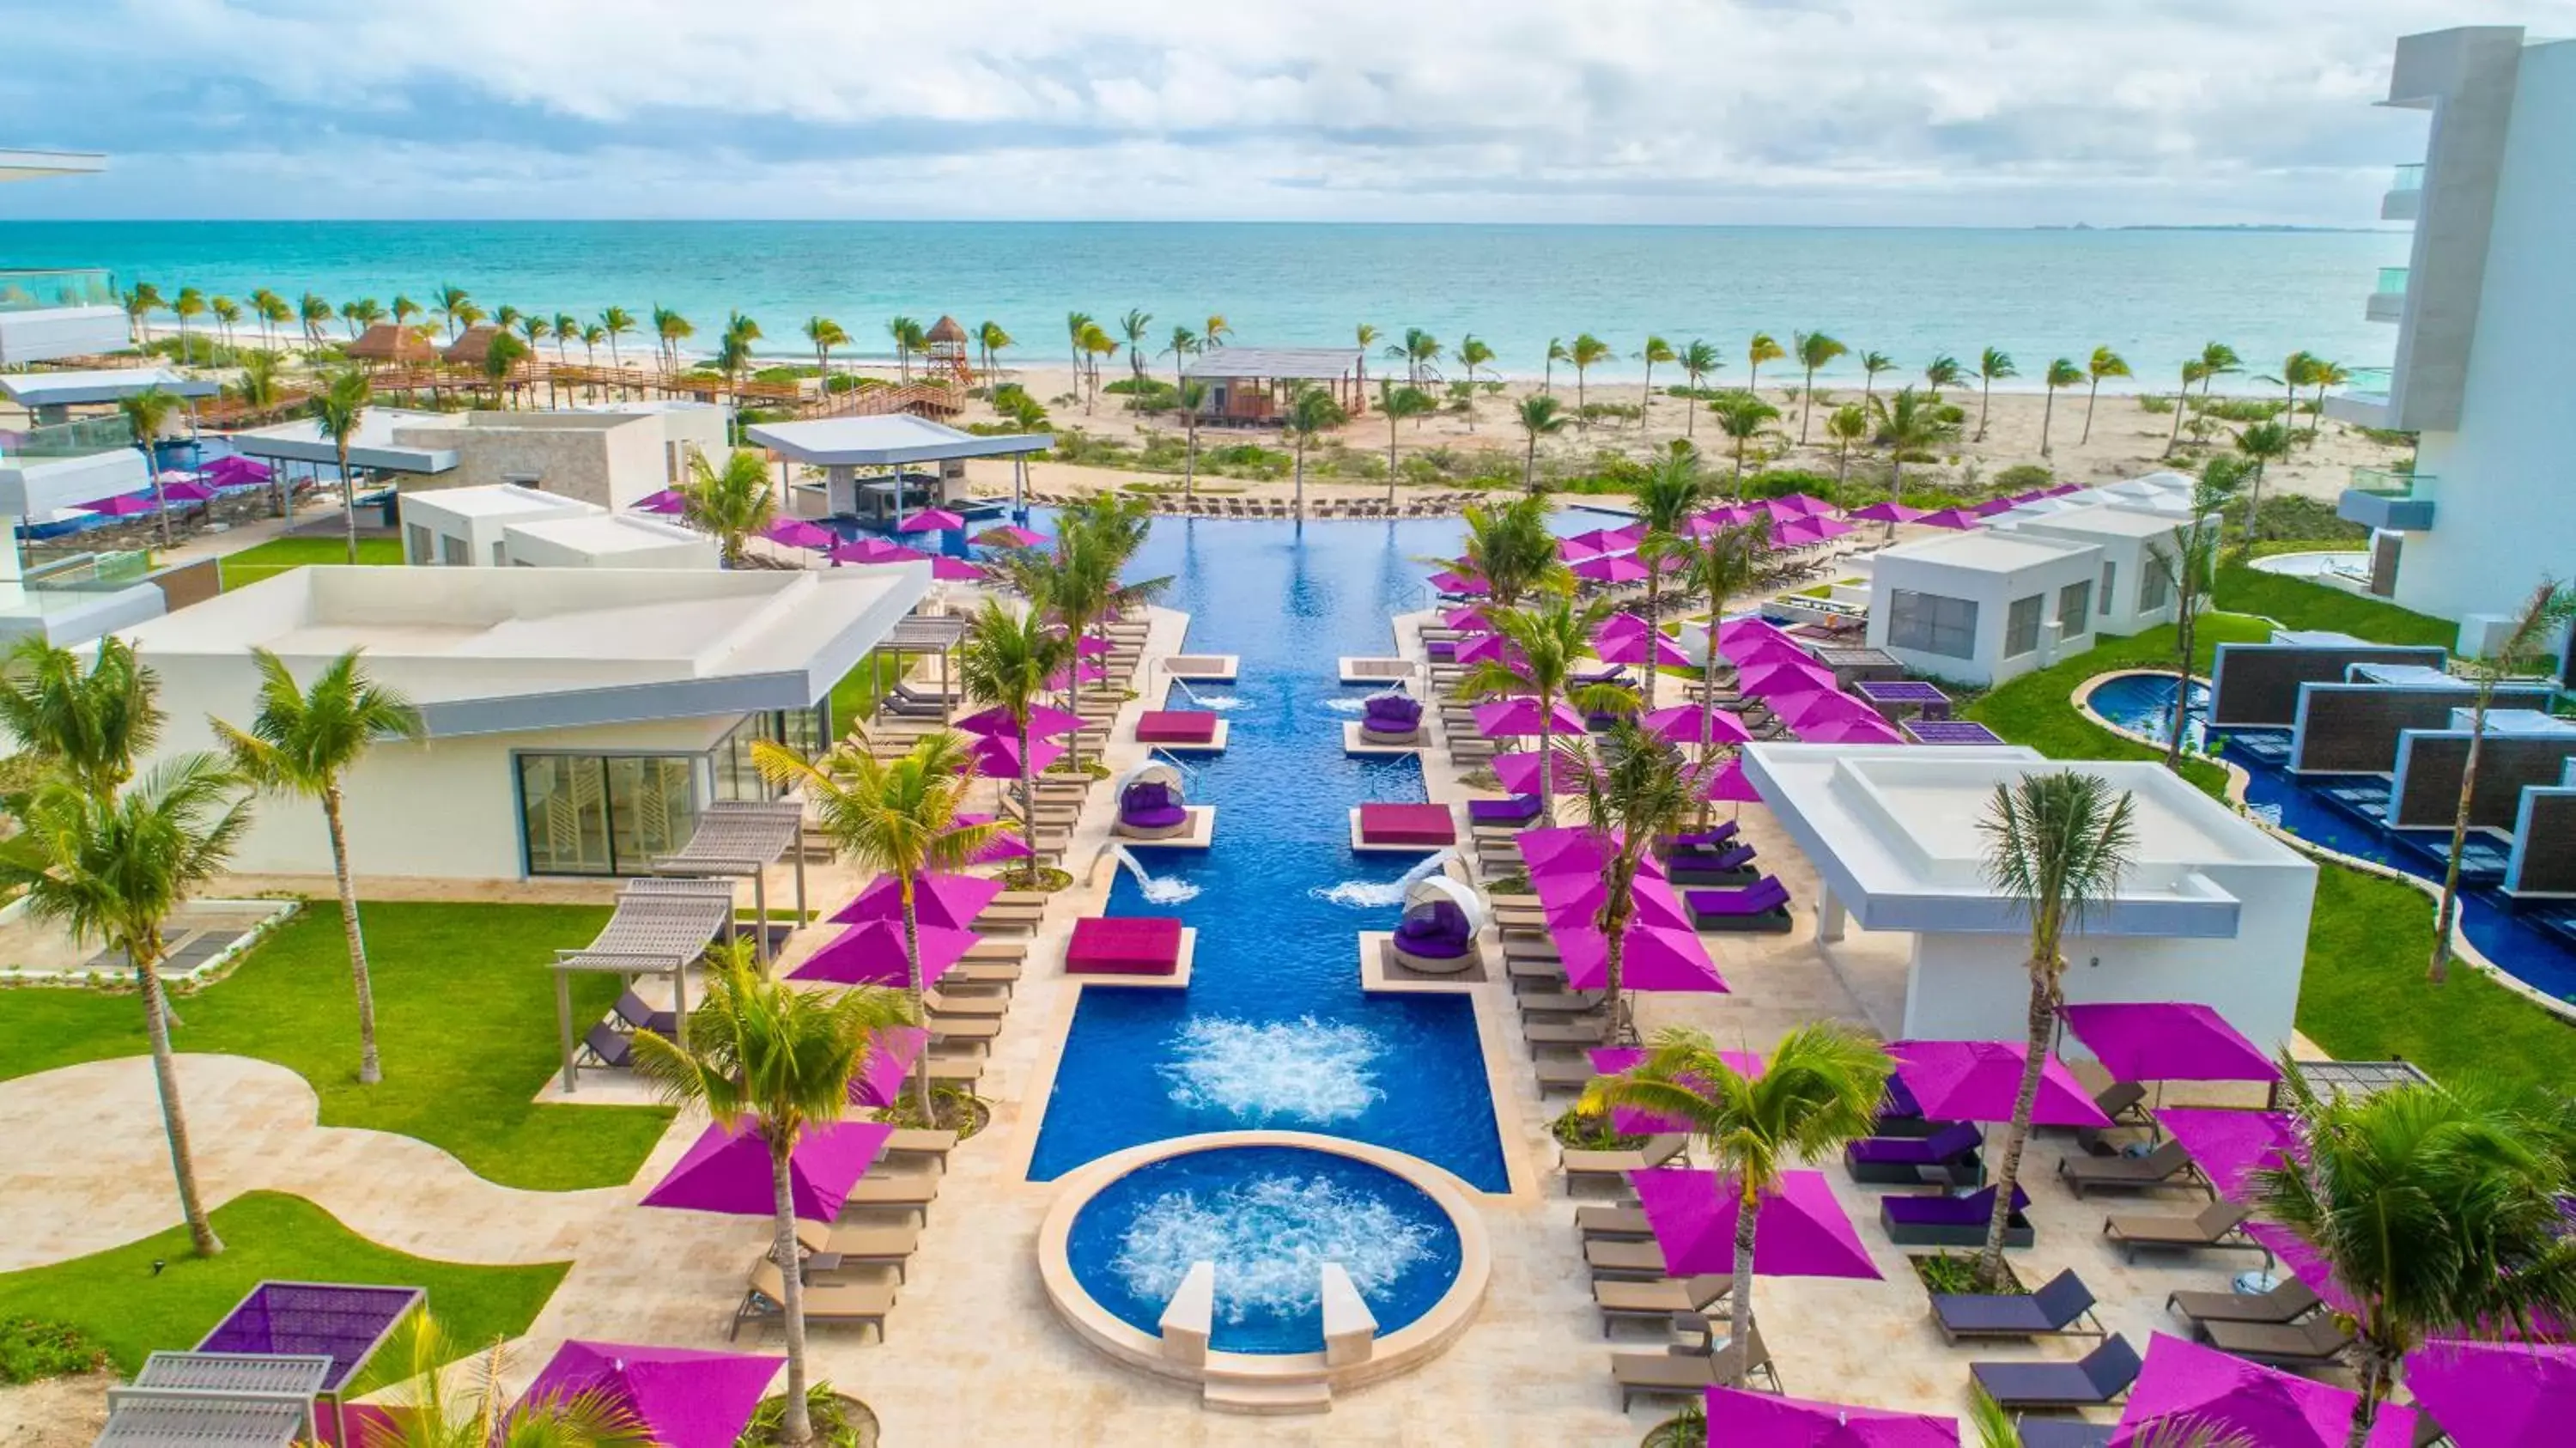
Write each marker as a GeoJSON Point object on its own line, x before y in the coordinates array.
{"type": "Point", "coordinates": [733, 354]}
{"type": "Point", "coordinates": [1311, 413]}
{"type": "Point", "coordinates": [1848, 424]}
{"type": "Point", "coordinates": [616, 322]}
{"type": "Point", "coordinates": [535, 330]}
{"type": "Point", "coordinates": [338, 410]}
{"type": "Point", "coordinates": [271, 309]}
{"type": "Point", "coordinates": [403, 310]}
{"type": "Point", "coordinates": [1546, 641]}
{"type": "Point", "coordinates": [227, 314]}
{"type": "Point", "coordinates": [2297, 370]}
{"type": "Point", "coordinates": [1993, 365]}
{"type": "Point", "coordinates": [1656, 350]}
{"type": "Point", "coordinates": [1547, 375]}
{"type": "Point", "coordinates": [141, 301]}
{"type": "Point", "coordinates": [1077, 580]}
{"type": "Point", "coordinates": [903, 331]}
{"type": "Point", "coordinates": [1183, 345]}
{"type": "Point", "coordinates": [2323, 375]}
{"type": "Point", "coordinates": [992, 341]}
{"type": "Point", "coordinates": [1943, 371]}
{"type": "Point", "coordinates": [1670, 492]}
{"type": "Point", "coordinates": [1191, 399]}
{"type": "Point", "coordinates": [1818, 1090]}
{"type": "Point", "coordinates": [1399, 403]}
{"type": "Point", "coordinates": [2193, 370]}
{"type": "Point", "coordinates": [1697, 361]}
{"type": "Point", "coordinates": [85, 722]}
{"type": "Point", "coordinates": [567, 329]}
{"type": "Point", "coordinates": [2438, 1209]}
{"type": "Point", "coordinates": [110, 869]}
{"type": "Point", "coordinates": [147, 413]}
{"type": "Point", "coordinates": [1872, 364]}
{"type": "Point", "coordinates": [1763, 348]}
{"type": "Point", "coordinates": [1636, 790]}
{"type": "Point", "coordinates": [2188, 563]}
{"type": "Point", "coordinates": [188, 305]}
{"type": "Point", "coordinates": [442, 1393]}
{"type": "Point", "coordinates": [1008, 658]}
{"type": "Point", "coordinates": [2061, 373]}
{"type": "Point", "coordinates": [304, 741]}
{"type": "Point", "coordinates": [1366, 336]}
{"type": "Point", "coordinates": [1540, 416]}
{"type": "Point", "coordinates": [733, 503]}
{"type": "Point", "coordinates": [1472, 354]}
{"type": "Point", "coordinates": [2103, 363]}
{"type": "Point", "coordinates": [1096, 344]}
{"type": "Point", "coordinates": [1510, 548]}
{"type": "Point", "coordinates": [501, 358]}
{"type": "Point", "coordinates": [670, 329]}
{"type": "Point", "coordinates": [1417, 351]}
{"type": "Point", "coordinates": [1218, 329]}
{"type": "Point", "coordinates": [2261, 445]}
{"type": "Point", "coordinates": [2524, 649]}
{"type": "Point", "coordinates": [449, 302]}
{"type": "Point", "coordinates": [363, 313]}
{"type": "Point", "coordinates": [1718, 566]}
{"type": "Point", "coordinates": [507, 318]}
{"type": "Point", "coordinates": [1588, 352]}
{"type": "Point", "coordinates": [2056, 845]}
{"type": "Point", "coordinates": [1814, 350]}
{"type": "Point", "coordinates": [2217, 360]}
{"type": "Point", "coordinates": [1910, 422]}
{"type": "Point", "coordinates": [823, 334]}
{"type": "Point", "coordinates": [591, 334]}
{"type": "Point", "coordinates": [1133, 327]}
{"type": "Point", "coordinates": [1077, 325]}
{"type": "Point", "coordinates": [781, 1060]}
{"type": "Point", "coordinates": [1742, 416]}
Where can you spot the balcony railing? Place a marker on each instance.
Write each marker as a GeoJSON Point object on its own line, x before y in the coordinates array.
{"type": "Point", "coordinates": [2409, 177]}
{"type": "Point", "coordinates": [2392, 281]}
{"type": "Point", "coordinates": [2372, 380]}
{"type": "Point", "coordinates": [78, 438]}
{"type": "Point", "coordinates": [37, 291]}
{"type": "Point", "coordinates": [82, 572]}
{"type": "Point", "coordinates": [2385, 483]}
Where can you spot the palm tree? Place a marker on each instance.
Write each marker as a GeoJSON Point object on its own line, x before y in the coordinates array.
{"type": "Point", "coordinates": [1133, 327]}
{"type": "Point", "coordinates": [1698, 360]}
{"type": "Point", "coordinates": [733, 353]}
{"type": "Point", "coordinates": [2057, 844]}
{"type": "Point", "coordinates": [1872, 364]}
{"type": "Point", "coordinates": [1763, 348]}
{"type": "Point", "coordinates": [271, 309]}
{"type": "Point", "coordinates": [1191, 398]}
{"type": "Point", "coordinates": [140, 303]}
{"type": "Point", "coordinates": [616, 322]}
{"type": "Point", "coordinates": [2323, 375]}
{"type": "Point", "coordinates": [1217, 329]}
{"type": "Point", "coordinates": [535, 330]}
{"type": "Point", "coordinates": [110, 869]}
{"type": "Point", "coordinates": [2193, 370]}
{"type": "Point", "coordinates": [780, 1060]}
{"type": "Point", "coordinates": [1819, 1089]}
{"type": "Point", "coordinates": [1417, 352]}
{"type": "Point", "coordinates": [2297, 370]}
{"type": "Point", "coordinates": [2189, 566]}
{"type": "Point", "coordinates": [2261, 444]}
{"type": "Point", "coordinates": [1910, 422]}
{"type": "Point", "coordinates": [1366, 336]}
{"type": "Point", "coordinates": [1670, 492]}
{"type": "Point", "coordinates": [2061, 373]}
{"type": "Point", "coordinates": [434, 1398]}
{"type": "Point", "coordinates": [2524, 649]}
{"type": "Point", "coordinates": [501, 358]}
{"type": "Point", "coordinates": [1184, 343]}
{"type": "Point", "coordinates": [1472, 354]}
{"type": "Point", "coordinates": [338, 409]}
{"type": "Point", "coordinates": [670, 329]}
{"type": "Point", "coordinates": [1943, 371]}
{"type": "Point", "coordinates": [1993, 366]}
{"type": "Point", "coordinates": [1742, 416]}
{"type": "Point", "coordinates": [1848, 425]}
{"type": "Point", "coordinates": [1311, 413]}
{"type": "Point", "coordinates": [567, 330]}
{"type": "Point", "coordinates": [507, 319]}
{"type": "Point", "coordinates": [1511, 549]}
{"type": "Point", "coordinates": [1077, 325]}
{"type": "Point", "coordinates": [1815, 350]}
{"type": "Point", "coordinates": [404, 308]}
{"type": "Point", "coordinates": [2217, 360]}
{"type": "Point", "coordinates": [1399, 403]}
{"type": "Point", "coordinates": [2103, 363]}
{"type": "Point", "coordinates": [1008, 659]}
{"type": "Point", "coordinates": [1588, 352]}
{"type": "Point", "coordinates": [1545, 643]}
{"type": "Point", "coordinates": [733, 503]}
{"type": "Point", "coordinates": [304, 741]}
{"type": "Point", "coordinates": [1656, 350]}
{"type": "Point", "coordinates": [449, 302]}
{"type": "Point", "coordinates": [992, 341]}
{"type": "Point", "coordinates": [1540, 416]}
{"type": "Point", "coordinates": [591, 334]}
{"type": "Point", "coordinates": [823, 334]}
{"type": "Point", "coordinates": [147, 413]}
{"type": "Point", "coordinates": [1096, 344]}
{"type": "Point", "coordinates": [1078, 579]}
{"type": "Point", "coordinates": [2437, 1208]}
{"type": "Point", "coordinates": [1636, 790]}
{"type": "Point", "coordinates": [261, 384]}
{"type": "Point", "coordinates": [1547, 375]}
{"type": "Point", "coordinates": [1717, 567]}
{"type": "Point", "coordinates": [907, 335]}
{"type": "Point", "coordinates": [84, 723]}
{"type": "Point", "coordinates": [188, 304]}
{"type": "Point", "coordinates": [228, 314]}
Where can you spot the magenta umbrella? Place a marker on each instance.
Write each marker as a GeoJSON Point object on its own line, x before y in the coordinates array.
{"type": "Point", "coordinates": [1807, 707]}
{"type": "Point", "coordinates": [1830, 527]}
{"type": "Point", "coordinates": [1680, 724]}
{"type": "Point", "coordinates": [1583, 545]}
{"type": "Point", "coordinates": [234, 470]}
{"type": "Point", "coordinates": [937, 899]}
{"type": "Point", "coordinates": [1799, 532]}
{"type": "Point", "coordinates": [891, 1052]}
{"type": "Point", "coordinates": [1949, 518]}
{"type": "Point", "coordinates": [1010, 535]}
{"type": "Point", "coordinates": [1849, 729]}
{"type": "Point", "coordinates": [2230, 1146]}
{"type": "Point", "coordinates": [1561, 847]}
{"type": "Point", "coordinates": [2183, 1387]}
{"type": "Point", "coordinates": [797, 533]}
{"type": "Point", "coordinates": [997, 756]}
{"type": "Point", "coordinates": [2495, 1394]}
{"type": "Point", "coordinates": [875, 550]}
{"type": "Point", "coordinates": [1469, 620]}
{"type": "Point", "coordinates": [957, 570]}
{"type": "Point", "coordinates": [1992, 506]}
{"type": "Point", "coordinates": [1890, 511]}
{"type": "Point", "coordinates": [871, 953]}
{"type": "Point", "coordinates": [1980, 1081]}
{"type": "Point", "coordinates": [190, 491]}
{"type": "Point", "coordinates": [1652, 957]}
{"type": "Point", "coordinates": [682, 1397]}
{"type": "Point", "coordinates": [131, 505]}
{"type": "Point", "coordinates": [1610, 568]}
{"type": "Point", "coordinates": [1459, 584]}
{"type": "Point", "coordinates": [1800, 1230]}
{"type": "Point", "coordinates": [932, 520]}
{"type": "Point", "coordinates": [1714, 521]}
{"type": "Point", "coordinates": [1519, 772]}
{"type": "Point", "coordinates": [1784, 676]}
{"type": "Point", "coordinates": [1486, 649]}
{"type": "Point", "coordinates": [1635, 645]}
{"type": "Point", "coordinates": [1633, 1121]}
{"type": "Point", "coordinates": [2061, 490]}
{"type": "Point", "coordinates": [1568, 898]}
{"type": "Point", "coordinates": [666, 501]}
{"type": "Point", "coordinates": [1062, 679]}
{"type": "Point", "coordinates": [727, 1170]}
{"type": "Point", "coordinates": [1763, 1420]}
{"type": "Point", "coordinates": [2167, 1041]}
{"type": "Point", "coordinates": [1730, 786]}
{"type": "Point", "coordinates": [1507, 718]}
{"type": "Point", "coordinates": [998, 846]}
{"type": "Point", "coordinates": [1044, 723]}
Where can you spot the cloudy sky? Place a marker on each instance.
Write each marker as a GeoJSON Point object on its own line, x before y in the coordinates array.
{"type": "Point", "coordinates": [1727, 111]}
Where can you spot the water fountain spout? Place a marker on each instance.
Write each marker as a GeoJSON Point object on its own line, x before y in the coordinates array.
{"type": "Point", "coordinates": [1156, 891]}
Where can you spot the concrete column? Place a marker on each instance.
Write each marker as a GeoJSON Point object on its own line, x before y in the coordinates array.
{"type": "Point", "coordinates": [1350, 1329]}
{"type": "Point", "coordinates": [1190, 1318]}
{"type": "Point", "coordinates": [1831, 917]}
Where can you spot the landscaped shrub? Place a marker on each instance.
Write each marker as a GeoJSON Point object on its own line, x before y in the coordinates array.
{"type": "Point", "coordinates": [1781, 482]}
{"type": "Point", "coordinates": [2022, 477]}
{"type": "Point", "coordinates": [32, 1348]}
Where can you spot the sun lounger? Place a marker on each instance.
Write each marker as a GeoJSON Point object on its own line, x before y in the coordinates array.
{"type": "Point", "coordinates": [641, 1017]}
{"type": "Point", "coordinates": [2166, 1166]}
{"type": "Point", "coordinates": [2288, 1302]}
{"type": "Point", "coordinates": [2220, 1224]}
{"type": "Point", "coordinates": [1953, 1221]}
{"type": "Point", "coordinates": [1762, 905]}
{"type": "Point", "coordinates": [829, 1250]}
{"type": "Point", "coordinates": [921, 1141]}
{"type": "Point", "coordinates": [1562, 1003]}
{"type": "Point", "coordinates": [1563, 1073]}
{"type": "Point", "coordinates": [2060, 1307]}
{"type": "Point", "coordinates": [1518, 809]}
{"type": "Point", "coordinates": [1691, 1372]}
{"type": "Point", "coordinates": [1659, 1300]}
{"type": "Point", "coordinates": [911, 1191]}
{"type": "Point", "coordinates": [1628, 1259]}
{"type": "Point", "coordinates": [605, 1045]}
{"type": "Point", "coordinates": [865, 1303]}
{"type": "Point", "coordinates": [2308, 1343]}
{"type": "Point", "coordinates": [2123, 1101]}
{"type": "Point", "coordinates": [953, 1006]}
{"type": "Point", "coordinates": [2065, 1433]}
{"type": "Point", "coordinates": [964, 1028]}
{"type": "Point", "coordinates": [998, 950]}
{"type": "Point", "coordinates": [1660, 1148]}
{"type": "Point", "coordinates": [2098, 1380]}
{"type": "Point", "coordinates": [1949, 1155]}
{"type": "Point", "coordinates": [987, 973]}
{"type": "Point", "coordinates": [1567, 1033]}
{"type": "Point", "coordinates": [1729, 866]}
{"type": "Point", "coordinates": [1613, 1223]}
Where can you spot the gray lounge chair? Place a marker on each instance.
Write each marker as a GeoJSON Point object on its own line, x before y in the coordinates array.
{"type": "Point", "coordinates": [1613, 1223]}
{"type": "Point", "coordinates": [1563, 1073]}
{"type": "Point", "coordinates": [1692, 1371]}
{"type": "Point", "coordinates": [2308, 1343]}
{"type": "Point", "coordinates": [2220, 1224]}
{"type": "Point", "coordinates": [829, 1251]}
{"type": "Point", "coordinates": [1632, 1260]}
{"type": "Point", "coordinates": [2287, 1302]}
{"type": "Point", "coordinates": [1658, 1301]}
{"type": "Point", "coordinates": [1580, 1164]}
{"type": "Point", "coordinates": [2166, 1166]}
{"type": "Point", "coordinates": [865, 1303]}
{"type": "Point", "coordinates": [1579, 1032]}
{"type": "Point", "coordinates": [2098, 1380]}
{"type": "Point", "coordinates": [2061, 1307]}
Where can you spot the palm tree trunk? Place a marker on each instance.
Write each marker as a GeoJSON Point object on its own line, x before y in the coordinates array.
{"type": "Point", "coordinates": [2095, 395]}
{"type": "Point", "coordinates": [1580, 420]}
{"type": "Point", "coordinates": [1739, 1296]}
{"type": "Point", "coordinates": [1654, 631]}
{"type": "Point", "coordinates": [1807, 407]}
{"type": "Point", "coordinates": [2043, 1020]}
{"type": "Point", "coordinates": [797, 1427]}
{"type": "Point", "coordinates": [1073, 690]}
{"type": "Point", "coordinates": [2253, 510]}
{"type": "Point", "coordinates": [912, 972]}
{"type": "Point", "coordinates": [1984, 407]}
{"type": "Point", "coordinates": [2183, 630]}
{"type": "Point", "coordinates": [1190, 465]}
{"type": "Point", "coordinates": [1529, 466]}
{"type": "Point", "coordinates": [1390, 457]}
{"type": "Point", "coordinates": [1028, 796]}
{"type": "Point", "coordinates": [1613, 922]}
{"type": "Point", "coordinates": [2440, 970]}
{"type": "Point", "coordinates": [1547, 757]}
{"type": "Point", "coordinates": [1708, 705]}
{"type": "Point", "coordinates": [1301, 478]}
{"type": "Point", "coordinates": [146, 954]}
{"type": "Point", "coordinates": [348, 501]}
{"type": "Point", "coordinates": [370, 1069]}
{"type": "Point", "coordinates": [2175, 440]}
{"type": "Point", "coordinates": [1690, 414]}
{"type": "Point", "coordinates": [2047, 413]}
{"type": "Point", "coordinates": [2375, 1375]}
{"type": "Point", "coordinates": [1645, 398]}
{"type": "Point", "coordinates": [1842, 465]}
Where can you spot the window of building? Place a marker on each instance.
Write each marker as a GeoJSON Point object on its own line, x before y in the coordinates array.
{"type": "Point", "coordinates": [2110, 592]}
{"type": "Point", "coordinates": [419, 539]}
{"type": "Point", "coordinates": [736, 777]}
{"type": "Point", "coordinates": [452, 551]}
{"type": "Point", "coordinates": [590, 814]}
{"type": "Point", "coordinates": [2155, 590]}
{"type": "Point", "coordinates": [500, 554]}
{"type": "Point", "coordinates": [2021, 626]}
{"type": "Point", "coordinates": [1931, 623]}
{"type": "Point", "coordinates": [2075, 609]}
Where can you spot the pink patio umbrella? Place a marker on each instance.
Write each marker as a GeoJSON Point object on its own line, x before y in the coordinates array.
{"type": "Point", "coordinates": [997, 756]}
{"type": "Point", "coordinates": [2495, 1394]}
{"type": "Point", "coordinates": [1459, 584]}
{"type": "Point", "coordinates": [1652, 957]}
{"type": "Point", "coordinates": [1681, 724]}
{"type": "Point", "coordinates": [1507, 718]}
{"type": "Point", "coordinates": [932, 520]}
{"type": "Point", "coordinates": [1851, 729]}
{"type": "Point", "coordinates": [1779, 676]}
{"type": "Point", "coordinates": [1044, 723]}
{"type": "Point", "coordinates": [1634, 643]}
{"type": "Point", "coordinates": [1980, 1081]}
{"type": "Point", "coordinates": [1797, 533]}
{"type": "Point", "coordinates": [1487, 649]}
{"type": "Point", "coordinates": [2167, 1041]}
{"type": "Point", "coordinates": [2062, 489]}
{"type": "Point", "coordinates": [1730, 786]}
{"type": "Point", "coordinates": [1635, 1121]}
{"type": "Point", "coordinates": [187, 491]}
{"type": "Point", "coordinates": [1716, 520]}
{"type": "Point", "coordinates": [1949, 518]}
{"type": "Point", "coordinates": [2292, 1251]}
{"type": "Point", "coordinates": [873, 551]}
{"type": "Point", "coordinates": [1751, 650]}
{"type": "Point", "coordinates": [884, 1069]}
{"type": "Point", "coordinates": [1570, 899]}
{"type": "Point", "coordinates": [1780, 511]}
{"type": "Point", "coordinates": [1814, 706]}
{"type": "Point", "coordinates": [1561, 847]}
{"type": "Point", "coordinates": [937, 899]}
{"type": "Point", "coordinates": [682, 1397]}
{"type": "Point", "coordinates": [1610, 568]}
{"type": "Point", "coordinates": [129, 506]}
{"type": "Point", "coordinates": [999, 846]}
{"type": "Point", "coordinates": [957, 570]}
{"type": "Point", "coordinates": [871, 953]}
{"type": "Point", "coordinates": [1764, 1420]}
{"type": "Point", "coordinates": [1992, 506]}
{"type": "Point", "coordinates": [236, 471]}
{"type": "Point", "coordinates": [2230, 1146]}
{"type": "Point", "coordinates": [797, 533]}
{"type": "Point", "coordinates": [727, 1170]}
{"type": "Point", "coordinates": [1809, 504]}
{"type": "Point", "coordinates": [1800, 1230]}
{"type": "Point", "coordinates": [2183, 1386]}
{"type": "Point", "coordinates": [1062, 679]}
{"type": "Point", "coordinates": [1010, 535]}
{"type": "Point", "coordinates": [1830, 527]}
{"type": "Point", "coordinates": [668, 500]}
{"type": "Point", "coordinates": [1890, 511]}
{"type": "Point", "coordinates": [1519, 772]}
{"type": "Point", "coordinates": [1583, 546]}
{"type": "Point", "coordinates": [1468, 620]}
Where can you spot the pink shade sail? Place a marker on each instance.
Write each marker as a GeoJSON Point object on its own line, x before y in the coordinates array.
{"type": "Point", "coordinates": [1652, 957]}
{"type": "Point", "coordinates": [187, 491]}
{"type": "Point", "coordinates": [875, 551]}
{"type": "Point", "coordinates": [2062, 489]}
{"type": "Point", "coordinates": [2230, 1146]}
{"type": "Point", "coordinates": [1683, 724]}
{"type": "Point", "coordinates": [1637, 645]}
{"type": "Point", "coordinates": [682, 1397]}
{"type": "Point", "coordinates": [2033, 496]}
{"type": "Point", "coordinates": [1509, 718]}
{"type": "Point", "coordinates": [1992, 506]}
{"type": "Point", "coordinates": [997, 756]}
{"type": "Point", "coordinates": [1762, 1420]}
{"type": "Point", "coordinates": [129, 506]}
{"type": "Point", "coordinates": [871, 952]}
{"type": "Point", "coordinates": [727, 1170]}
{"type": "Point", "coordinates": [1459, 585]}
{"type": "Point", "coordinates": [1467, 620]}
{"type": "Point", "coordinates": [667, 501]}
{"type": "Point", "coordinates": [2292, 1251]}
{"type": "Point", "coordinates": [1863, 729]}
{"type": "Point", "coordinates": [1890, 511]}
{"type": "Point", "coordinates": [1610, 568]}
{"type": "Point", "coordinates": [2184, 1387]}
{"type": "Point", "coordinates": [2167, 1041]}
{"type": "Point", "coordinates": [1784, 676]}
{"type": "Point", "coordinates": [892, 1050]}
{"type": "Point", "coordinates": [234, 470]}
{"type": "Point", "coordinates": [1044, 723]}
{"type": "Point", "coordinates": [1949, 518]}
{"type": "Point", "coordinates": [1730, 786]}
{"type": "Point", "coordinates": [2495, 1394]}
{"type": "Point", "coordinates": [1519, 772]}
{"type": "Point", "coordinates": [797, 533]}
{"type": "Point", "coordinates": [1799, 1229]}
{"type": "Point", "coordinates": [957, 570]}
{"type": "Point", "coordinates": [1010, 535]}
{"type": "Point", "coordinates": [1981, 1080]}
{"type": "Point", "coordinates": [932, 520]}
{"type": "Point", "coordinates": [1632, 1121]}
{"type": "Point", "coordinates": [940, 899]}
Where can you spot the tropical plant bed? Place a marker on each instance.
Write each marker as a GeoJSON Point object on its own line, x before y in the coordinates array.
{"type": "Point", "coordinates": [1088, 769]}
{"type": "Point", "coordinates": [1045, 879]}
{"type": "Point", "coordinates": [952, 1108]}
{"type": "Point", "coordinates": [1584, 1131]}
{"type": "Point", "coordinates": [32, 1348]}
{"type": "Point", "coordinates": [1944, 1273]}
{"type": "Point", "coordinates": [840, 1421]}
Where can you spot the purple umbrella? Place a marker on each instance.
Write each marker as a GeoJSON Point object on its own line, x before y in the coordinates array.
{"type": "Point", "coordinates": [1581, 546]}
{"type": "Point", "coordinates": [1949, 518]}
{"type": "Point", "coordinates": [1630, 1120]}
{"type": "Point", "coordinates": [1890, 511]}
{"type": "Point", "coordinates": [891, 1052]}
{"type": "Point", "coordinates": [1519, 772]}
{"type": "Point", "coordinates": [1680, 724]}
{"type": "Point", "coordinates": [1992, 506]}
{"type": "Point", "coordinates": [190, 491]}
{"type": "Point", "coordinates": [1062, 679]}
{"type": "Point", "coordinates": [1044, 723]}
{"type": "Point", "coordinates": [1010, 535]}
{"type": "Point", "coordinates": [1809, 708]}
{"type": "Point", "coordinates": [999, 846]}
{"type": "Point", "coordinates": [1506, 718]}
{"type": "Point", "coordinates": [957, 570]}
{"type": "Point", "coordinates": [1562, 847]}
{"type": "Point", "coordinates": [2167, 1041]}
{"type": "Point", "coordinates": [875, 550]}
{"type": "Point", "coordinates": [2293, 1252]}
{"type": "Point", "coordinates": [682, 1397]}
{"type": "Point", "coordinates": [1459, 584]}
{"type": "Point", "coordinates": [997, 756]}
{"type": "Point", "coordinates": [234, 471]}
{"type": "Point", "coordinates": [932, 520]}
{"type": "Point", "coordinates": [2184, 1386]}
{"type": "Point", "coordinates": [1730, 786]}
{"type": "Point", "coordinates": [871, 953]}
{"type": "Point", "coordinates": [1486, 649]}
{"type": "Point", "coordinates": [1652, 957]}
{"type": "Point", "coordinates": [1610, 568]}
{"type": "Point", "coordinates": [2495, 1394]}
{"type": "Point", "coordinates": [1980, 1081]}
{"type": "Point", "coordinates": [1469, 620]}
{"type": "Point", "coordinates": [128, 506]}
{"type": "Point", "coordinates": [1567, 898]}
{"type": "Point", "coordinates": [1826, 527]}
{"type": "Point", "coordinates": [797, 533]}
{"type": "Point", "coordinates": [1762, 1420]}
{"type": "Point", "coordinates": [938, 899]}
{"type": "Point", "coordinates": [1849, 729]}
{"type": "Point", "coordinates": [665, 501]}
{"type": "Point", "coordinates": [1800, 1230]}
{"type": "Point", "coordinates": [1634, 643]}
{"type": "Point", "coordinates": [2230, 1146]}
{"type": "Point", "coordinates": [727, 1170]}
{"type": "Point", "coordinates": [1784, 676]}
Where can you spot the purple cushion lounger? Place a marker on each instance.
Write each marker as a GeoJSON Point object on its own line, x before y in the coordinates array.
{"type": "Point", "coordinates": [1518, 809]}
{"type": "Point", "coordinates": [1149, 806]}
{"type": "Point", "coordinates": [1911, 1160]}
{"type": "Point", "coordinates": [2066, 1433]}
{"type": "Point", "coordinates": [1727, 867]}
{"type": "Point", "coordinates": [1395, 713]}
{"type": "Point", "coordinates": [1175, 726]}
{"type": "Point", "coordinates": [1435, 936]}
{"type": "Point", "coordinates": [1760, 906]}
{"type": "Point", "coordinates": [1702, 842]}
{"type": "Point", "coordinates": [1442, 650]}
{"type": "Point", "coordinates": [1427, 825]}
{"type": "Point", "coordinates": [2103, 1375]}
{"type": "Point", "coordinates": [1124, 945]}
{"type": "Point", "coordinates": [604, 1044]}
{"type": "Point", "coordinates": [1948, 1221]}
{"type": "Point", "coordinates": [2060, 1307]}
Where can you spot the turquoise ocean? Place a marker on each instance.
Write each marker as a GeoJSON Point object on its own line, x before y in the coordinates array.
{"type": "Point", "coordinates": [2155, 296]}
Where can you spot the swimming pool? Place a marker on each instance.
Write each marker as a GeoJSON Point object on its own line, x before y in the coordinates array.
{"type": "Point", "coordinates": [1273, 1031]}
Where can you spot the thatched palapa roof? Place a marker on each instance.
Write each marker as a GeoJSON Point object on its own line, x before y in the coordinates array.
{"type": "Point", "coordinates": [385, 342]}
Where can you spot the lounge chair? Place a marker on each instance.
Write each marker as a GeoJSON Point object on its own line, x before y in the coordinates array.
{"type": "Point", "coordinates": [1563, 1073]}
{"type": "Point", "coordinates": [2291, 1300]}
{"type": "Point", "coordinates": [1949, 1155]}
{"type": "Point", "coordinates": [2220, 1224]}
{"type": "Point", "coordinates": [1657, 1301]}
{"type": "Point", "coordinates": [1692, 1371]}
{"type": "Point", "coordinates": [2166, 1166]}
{"type": "Point", "coordinates": [605, 1045]}
{"type": "Point", "coordinates": [639, 1016]}
{"type": "Point", "coordinates": [908, 1191]}
{"type": "Point", "coordinates": [1613, 1223]}
{"type": "Point", "coordinates": [1628, 1259]}
{"type": "Point", "coordinates": [1597, 1165]}
{"type": "Point", "coordinates": [865, 1303]}
{"type": "Point", "coordinates": [1561, 1003]}
{"type": "Point", "coordinates": [1762, 905]}
{"type": "Point", "coordinates": [1701, 842]}
{"type": "Point", "coordinates": [1567, 1033]}
{"type": "Point", "coordinates": [2065, 1433]}
{"type": "Point", "coordinates": [2061, 1307]}
{"type": "Point", "coordinates": [949, 1004]}
{"type": "Point", "coordinates": [1518, 809]}
{"type": "Point", "coordinates": [2104, 1374]}
{"type": "Point", "coordinates": [2308, 1343]}
{"type": "Point", "coordinates": [922, 1141]}
{"type": "Point", "coordinates": [2123, 1101]}
{"type": "Point", "coordinates": [1732, 866]}
{"type": "Point", "coordinates": [1953, 1221]}
{"type": "Point", "coordinates": [829, 1250]}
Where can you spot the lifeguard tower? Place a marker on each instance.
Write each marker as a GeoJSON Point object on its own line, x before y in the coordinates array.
{"type": "Point", "coordinates": [950, 353]}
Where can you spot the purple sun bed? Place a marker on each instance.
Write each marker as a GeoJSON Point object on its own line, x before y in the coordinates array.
{"type": "Point", "coordinates": [1175, 726]}
{"type": "Point", "coordinates": [1148, 805]}
{"type": "Point", "coordinates": [1702, 842]}
{"type": "Point", "coordinates": [1438, 931]}
{"type": "Point", "coordinates": [1518, 809]}
{"type": "Point", "coordinates": [1427, 825]}
{"type": "Point", "coordinates": [2103, 1375]}
{"type": "Point", "coordinates": [2060, 1307]}
{"type": "Point", "coordinates": [1393, 716]}
{"type": "Point", "coordinates": [1760, 906]}
{"type": "Point", "coordinates": [1124, 945]}
{"type": "Point", "coordinates": [1948, 1221]}
{"type": "Point", "coordinates": [1729, 866]}
{"type": "Point", "coordinates": [1949, 1153]}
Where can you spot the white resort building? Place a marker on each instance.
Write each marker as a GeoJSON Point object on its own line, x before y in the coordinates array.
{"type": "Point", "coordinates": [508, 526]}
{"type": "Point", "coordinates": [612, 456]}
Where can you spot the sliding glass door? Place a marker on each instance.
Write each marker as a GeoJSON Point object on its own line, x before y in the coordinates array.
{"type": "Point", "coordinates": [592, 814]}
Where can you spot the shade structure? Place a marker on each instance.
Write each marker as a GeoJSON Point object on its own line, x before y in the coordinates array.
{"type": "Point", "coordinates": [1652, 957]}
{"type": "Point", "coordinates": [668, 500]}
{"type": "Point", "coordinates": [727, 1170]}
{"type": "Point", "coordinates": [1561, 848]}
{"type": "Point", "coordinates": [997, 756]}
{"type": "Point", "coordinates": [2293, 1253]}
{"type": "Point", "coordinates": [1830, 527]}
{"type": "Point", "coordinates": [1632, 1121]}
{"type": "Point", "coordinates": [957, 570]}
{"type": "Point", "coordinates": [1980, 1081]}
{"type": "Point", "coordinates": [1580, 546]}
{"type": "Point", "coordinates": [1682, 723]}
{"type": "Point", "coordinates": [892, 1050]}
{"type": "Point", "coordinates": [1780, 511]}
{"type": "Point", "coordinates": [1459, 584]}
{"type": "Point", "coordinates": [1044, 723]}
{"type": "Point", "coordinates": [682, 1397]}
{"type": "Point", "coordinates": [1010, 535]}
{"type": "Point", "coordinates": [2230, 1146]}
{"type": "Point", "coordinates": [1730, 785]}
{"type": "Point", "coordinates": [1949, 518]}
{"type": "Point", "coordinates": [2062, 489]}
{"type": "Point", "coordinates": [1509, 718]}
{"type": "Point", "coordinates": [2496, 1394]}
{"type": "Point", "coordinates": [1519, 773]}
{"type": "Point", "coordinates": [2167, 1041]}
{"type": "Point", "coordinates": [1571, 899]}
{"type": "Point", "coordinates": [1799, 1229]}
{"type": "Point", "coordinates": [1992, 506]}
{"type": "Point", "coordinates": [932, 520]}
{"type": "Point", "coordinates": [874, 551]}
{"type": "Point", "coordinates": [1490, 648]}
{"type": "Point", "coordinates": [1772, 676]}
{"type": "Point", "coordinates": [1763, 1420]}
{"type": "Point", "coordinates": [1003, 844]}
{"type": "Point", "coordinates": [1804, 708]}
{"type": "Point", "coordinates": [1610, 568]}
{"type": "Point", "coordinates": [1797, 533]}
{"type": "Point", "coordinates": [2184, 1386]}
{"type": "Point", "coordinates": [128, 506]}
{"type": "Point", "coordinates": [1062, 679]}
{"type": "Point", "coordinates": [1806, 503]}
{"type": "Point", "coordinates": [1890, 511]}
{"type": "Point", "coordinates": [938, 899]}
{"type": "Point", "coordinates": [1470, 620]}
{"type": "Point", "coordinates": [797, 533]}
{"type": "Point", "coordinates": [1631, 642]}
{"type": "Point", "coordinates": [871, 952]}
{"type": "Point", "coordinates": [1850, 729]}
{"type": "Point", "coordinates": [234, 470]}
{"type": "Point", "coordinates": [1715, 521]}
{"type": "Point", "coordinates": [187, 491]}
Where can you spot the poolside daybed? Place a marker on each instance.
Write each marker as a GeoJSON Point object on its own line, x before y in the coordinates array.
{"type": "Point", "coordinates": [1438, 932]}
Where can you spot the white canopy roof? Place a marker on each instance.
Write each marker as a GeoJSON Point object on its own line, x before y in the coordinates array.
{"type": "Point", "coordinates": [886, 441]}
{"type": "Point", "coordinates": [302, 441]}
{"type": "Point", "coordinates": [107, 384]}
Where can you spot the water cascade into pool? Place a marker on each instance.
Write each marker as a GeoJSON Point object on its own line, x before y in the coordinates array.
{"type": "Point", "coordinates": [1156, 891]}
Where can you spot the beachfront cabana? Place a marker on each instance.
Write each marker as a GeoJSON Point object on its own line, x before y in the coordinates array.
{"type": "Point", "coordinates": [892, 451]}
{"type": "Point", "coordinates": [1247, 385]}
{"type": "Point", "coordinates": [471, 346]}
{"type": "Point", "coordinates": [388, 343]}
{"type": "Point", "coordinates": [660, 927]}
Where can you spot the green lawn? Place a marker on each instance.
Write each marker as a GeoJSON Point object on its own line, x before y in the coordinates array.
{"type": "Point", "coordinates": [854, 699]}
{"type": "Point", "coordinates": [2299, 604]}
{"type": "Point", "coordinates": [465, 1018]}
{"type": "Point", "coordinates": [2037, 709]}
{"type": "Point", "coordinates": [277, 555]}
{"type": "Point", "coordinates": [118, 1299]}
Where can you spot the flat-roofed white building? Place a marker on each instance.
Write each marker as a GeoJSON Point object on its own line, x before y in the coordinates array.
{"type": "Point", "coordinates": [2212, 910]}
{"type": "Point", "coordinates": [607, 540]}
{"type": "Point", "coordinates": [611, 456]}
{"type": "Point", "coordinates": [2131, 593]}
{"type": "Point", "coordinates": [464, 527]}
{"type": "Point", "coordinates": [578, 720]}
{"type": "Point", "coordinates": [1983, 606]}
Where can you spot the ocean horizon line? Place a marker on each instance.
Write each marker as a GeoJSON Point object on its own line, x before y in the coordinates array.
{"type": "Point", "coordinates": [2242, 228]}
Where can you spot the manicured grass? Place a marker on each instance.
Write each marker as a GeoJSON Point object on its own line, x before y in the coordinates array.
{"type": "Point", "coordinates": [2365, 998]}
{"type": "Point", "coordinates": [2038, 708]}
{"type": "Point", "coordinates": [2299, 604]}
{"type": "Point", "coordinates": [115, 1297]}
{"type": "Point", "coordinates": [277, 555]}
{"type": "Point", "coordinates": [465, 1019]}
{"type": "Point", "coordinates": [854, 699]}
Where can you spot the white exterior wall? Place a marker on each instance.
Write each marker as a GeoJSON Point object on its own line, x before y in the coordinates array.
{"type": "Point", "coordinates": [42, 336]}
{"type": "Point", "coordinates": [534, 548]}
{"type": "Point", "coordinates": [1993, 593]}
{"type": "Point", "coordinates": [2505, 491]}
{"type": "Point", "coordinates": [569, 454]}
{"type": "Point", "coordinates": [483, 533]}
{"type": "Point", "coordinates": [2116, 609]}
{"type": "Point", "coordinates": [34, 487]}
